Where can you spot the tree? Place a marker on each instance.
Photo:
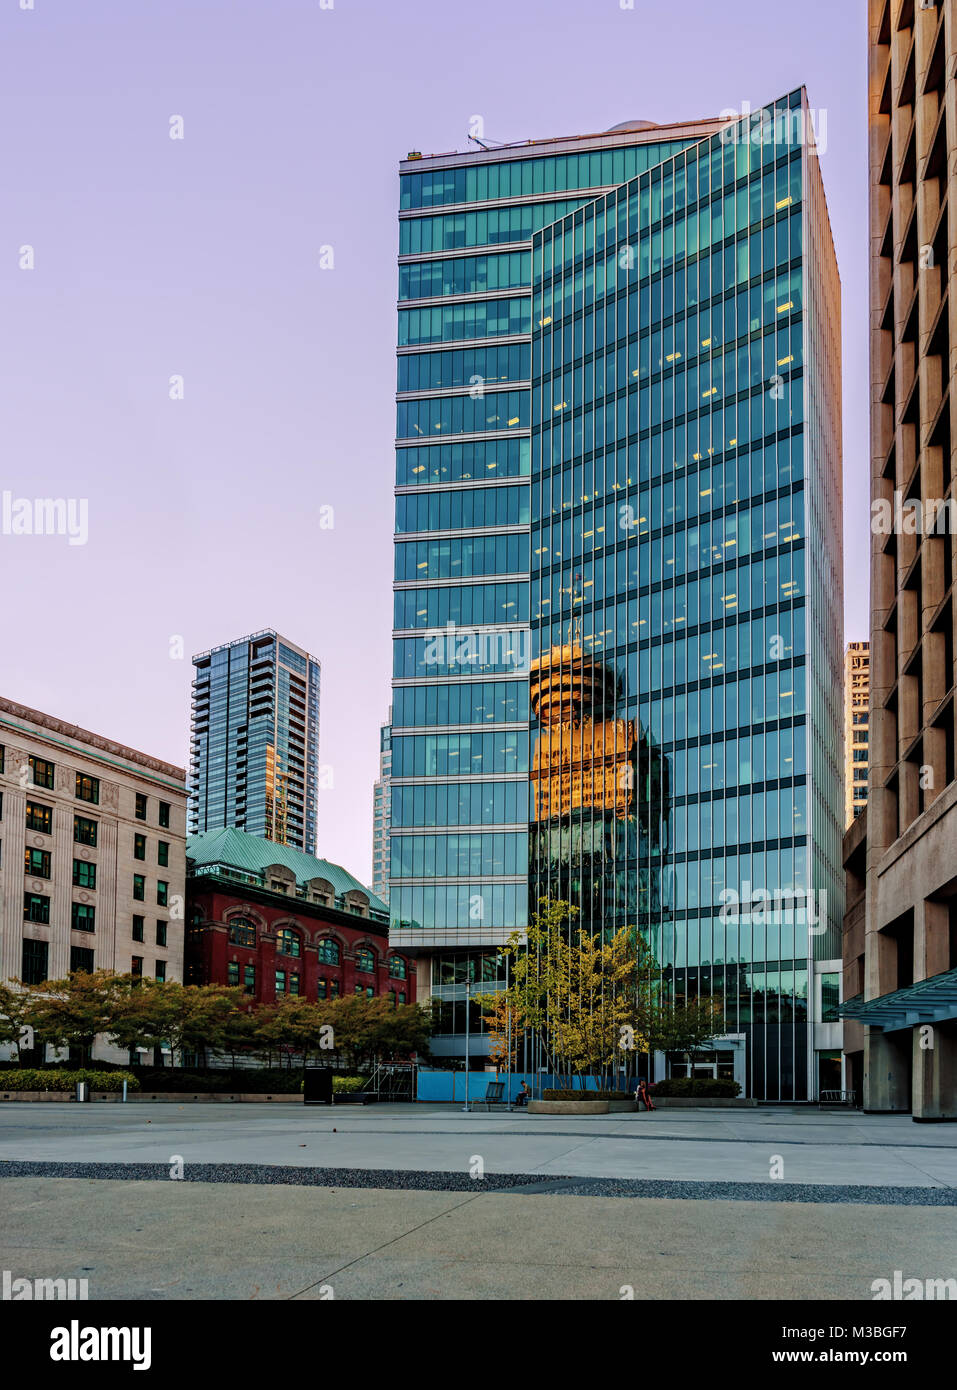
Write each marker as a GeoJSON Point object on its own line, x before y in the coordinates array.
{"type": "Point", "coordinates": [15, 1006]}
{"type": "Point", "coordinates": [687, 1025]}
{"type": "Point", "coordinates": [294, 1026]}
{"type": "Point", "coordinates": [71, 1012]}
{"type": "Point", "coordinates": [192, 1018]}
{"type": "Point", "coordinates": [576, 991]}
{"type": "Point", "coordinates": [142, 1019]}
{"type": "Point", "coordinates": [400, 1031]}
{"type": "Point", "coordinates": [503, 1025]}
{"type": "Point", "coordinates": [593, 1003]}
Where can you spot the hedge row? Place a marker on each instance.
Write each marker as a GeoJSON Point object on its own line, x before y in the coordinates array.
{"type": "Point", "coordinates": [696, 1086]}
{"type": "Point", "coordinates": [33, 1079]}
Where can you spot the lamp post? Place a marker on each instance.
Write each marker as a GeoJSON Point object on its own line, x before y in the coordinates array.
{"type": "Point", "coordinates": [508, 1043]}
{"type": "Point", "coordinates": [466, 1108]}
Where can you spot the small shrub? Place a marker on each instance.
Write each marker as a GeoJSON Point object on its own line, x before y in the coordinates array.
{"type": "Point", "coordinates": [347, 1085]}
{"type": "Point", "coordinates": [33, 1079]}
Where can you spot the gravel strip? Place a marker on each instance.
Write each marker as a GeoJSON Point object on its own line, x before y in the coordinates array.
{"type": "Point", "coordinates": [531, 1183]}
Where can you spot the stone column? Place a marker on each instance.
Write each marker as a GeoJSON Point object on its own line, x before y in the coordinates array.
{"type": "Point", "coordinates": [887, 1071]}
{"type": "Point", "coordinates": [935, 1072]}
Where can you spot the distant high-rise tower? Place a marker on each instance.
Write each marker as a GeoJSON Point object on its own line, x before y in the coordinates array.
{"type": "Point", "coordinates": [254, 756]}
{"type": "Point", "coordinates": [381, 814]}
{"type": "Point", "coordinates": [857, 686]}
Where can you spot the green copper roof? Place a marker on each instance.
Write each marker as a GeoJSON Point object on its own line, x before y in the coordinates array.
{"type": "Point", "coordinates": [235, 849]}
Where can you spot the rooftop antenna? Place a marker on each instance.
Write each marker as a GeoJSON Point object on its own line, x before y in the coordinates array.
{"type": "Point", "coordinates": [488, 144]}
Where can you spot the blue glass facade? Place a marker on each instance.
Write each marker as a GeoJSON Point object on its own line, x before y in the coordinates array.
{"type": "Point", "coordinates": [676, 738]}
{"type": "Point", "coordinates": [254, 760]}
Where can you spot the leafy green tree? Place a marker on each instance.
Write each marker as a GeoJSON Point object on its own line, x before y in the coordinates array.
{"type": "Point", "coordinates": [593, 1003]}
{"type": "Point", "coordinates": [578, 993]}
{"type": "Point", "coordinates": [15, 1005]}
{"type": "Point", "coordinates": [71, 1012]}
{"type": "Point", "coordinates": [399, 1031]}
{"type": "Point", "coordinates": [293, 1026]}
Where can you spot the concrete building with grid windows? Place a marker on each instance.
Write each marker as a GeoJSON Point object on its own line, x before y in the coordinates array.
{"type": "Point", "coordinates": [901, 955]}
{"type": "Point", "coordinates": [92, 855]}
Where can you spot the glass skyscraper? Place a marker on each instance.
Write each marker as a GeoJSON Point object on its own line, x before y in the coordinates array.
{"type": "Point", "coordinates": [617, 678]}
{"type": "Point", "coordinates": [254, 750]}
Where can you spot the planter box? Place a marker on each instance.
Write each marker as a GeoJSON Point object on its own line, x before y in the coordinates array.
{"type": "Point", "coordinates": [571, 1107]}
{"type": "Point", "coordinates": [36, 1095]}
{"type": "Point", "coordinates": [699, 1102]}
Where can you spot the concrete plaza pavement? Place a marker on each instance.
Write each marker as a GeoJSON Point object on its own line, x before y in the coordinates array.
{"type": "Point", "coordinates": [746, 1145]}
{"type": "Point", "coordinates": [383, 1202]}
{"type": "Point", "coordinates": [176, 1240]}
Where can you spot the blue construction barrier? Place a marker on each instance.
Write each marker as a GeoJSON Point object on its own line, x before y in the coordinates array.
{"type": "Point", "coordinates": [448, 1086]}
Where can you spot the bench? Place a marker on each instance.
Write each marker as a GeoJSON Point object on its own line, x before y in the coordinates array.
{"type": "Point", "coordinates": [494, 1095]}
{"type": "Point", "coordinates": [837, 1097]}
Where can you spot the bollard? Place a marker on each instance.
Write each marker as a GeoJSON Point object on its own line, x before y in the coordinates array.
{"type": "Point", "coordinates": [124, 1092]}
{"type": "Point", "coordinates": [82, 1090]}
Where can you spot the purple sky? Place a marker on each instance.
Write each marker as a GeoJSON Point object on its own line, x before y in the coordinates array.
{"type": "Point", "coordinates": [200, 257]}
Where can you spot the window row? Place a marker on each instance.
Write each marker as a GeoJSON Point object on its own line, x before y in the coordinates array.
{"type": "Point", "coordinates": [711, 430]}
{"type": "Point", "coordinates": [778, 521]}
{"type": "Point", "coordinates": [463, 605]}
{"type": "Point", "coordinates": [461, 803]}
{"type": "Point", "coordinates": [462, 510]}
{"type": "Point", "coordinates": [745, 363]}
{"type": "Point", "coordinates": [459, 967]}
{"type": "Point", "coordinates": [243, 932]}
{"type": "Point", "coordinates": [139, 930]}
{"type": "Point", "coordinates": [521, 178]}
{"type": "Point", "coordinates": [492, 410]}
{"type": "Point", "coordinates": [610, 323]}
{"type": "Point", "coordinates": [699, 183]}
{"type": "Point", "coordinates": [478, 459]}
{"type": "Point", "coordinates": [445, 755]}
{"type": "Point", "coordinates": [473, 367]}
{"type": "Point", "coordinates": [502, 651]}
{"type": "Point", "coordinates": [732, 762]}
{"type": "Point", "coordinates": [482, 702]}
{"type": "Point", "coordinates": [733, 820]}
{"type": "Point", "coordinates": [510, 270]}
{"type": "Point", "coordinates": [139, 890]}
{"type": "Point", "coordinates": [742, 249]}
{"type": "Point", "coordinates": [489, 227]}
{"type": "Point", "coordinates": [461, 557]}
{"type": "Point", "coordinates": [87, 788]}
{"type": "Point", "coordinates": [702, 338]}
{"type": "Point", "coordinates": [480, 318]}
{"type": "Point", "coordinates": [36, 908]}
{"type": "Point", "coordinates": [469, 907]}
{"type": "Point", "coordinates": [458, 856]}
{"type": "Point", "coordinates": [618, 625]}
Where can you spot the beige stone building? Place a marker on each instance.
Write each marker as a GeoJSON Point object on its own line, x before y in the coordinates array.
{"type": "Point", "coordinates": [92, 854]}
{"type": "Point", "coordinates": [857, 684]}
{"type": "Point", "coordinates": [908, 999]}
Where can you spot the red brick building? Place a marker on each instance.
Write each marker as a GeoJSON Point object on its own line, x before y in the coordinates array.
{"type": "Point", "coordinates": [275, 921]}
